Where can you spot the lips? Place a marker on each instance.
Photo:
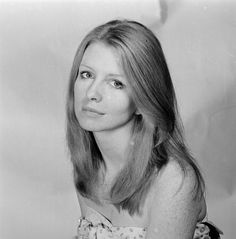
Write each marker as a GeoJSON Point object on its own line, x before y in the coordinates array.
{"type": "Point", "coordinates": [92, 110]}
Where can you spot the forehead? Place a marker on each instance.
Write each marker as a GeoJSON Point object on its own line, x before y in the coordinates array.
{"type": "Point", "coordinates": [100, 55]}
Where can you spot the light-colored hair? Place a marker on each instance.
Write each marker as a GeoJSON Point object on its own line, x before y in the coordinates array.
{"type": "Point", "coordinates": [157, 132]}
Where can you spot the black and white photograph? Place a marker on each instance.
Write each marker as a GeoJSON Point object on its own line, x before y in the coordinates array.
{"type": "Point", "coordinates": [117, 119]}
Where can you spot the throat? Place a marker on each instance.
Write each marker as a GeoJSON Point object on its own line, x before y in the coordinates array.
{"type": "Point", "coordinates": [107, 181]}
{"type": "Point", "coordinates": [114, 146]}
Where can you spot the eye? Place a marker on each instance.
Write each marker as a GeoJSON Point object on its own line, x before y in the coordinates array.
{"type": "Point", "coordinates": [117, 84]}
{"type": "Point", "coordinates": [85, 75]}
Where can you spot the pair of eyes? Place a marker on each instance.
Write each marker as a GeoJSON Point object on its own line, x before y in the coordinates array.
{"type": "Point", "coordinates": [114, 82]}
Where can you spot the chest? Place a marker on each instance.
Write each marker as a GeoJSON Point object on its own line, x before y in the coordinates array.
{"type": "Point", "coordinates": [109, 211]}
{"type": "Point", "coordinates": [117, 217]}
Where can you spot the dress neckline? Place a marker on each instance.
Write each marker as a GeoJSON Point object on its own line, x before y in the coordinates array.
{"type": "Point", "coordinates": [106, 220]}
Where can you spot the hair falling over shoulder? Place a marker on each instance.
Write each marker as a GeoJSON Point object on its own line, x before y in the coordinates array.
{"type": "Point", "coordinates": [157, 132]}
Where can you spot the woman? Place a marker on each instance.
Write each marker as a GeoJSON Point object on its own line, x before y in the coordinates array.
{"type": "Point", "coordinates": [133, 173]}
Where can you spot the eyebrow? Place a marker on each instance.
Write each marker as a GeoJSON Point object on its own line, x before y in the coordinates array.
{"type": "Point", "coordinates": [110, 74]}
{"type": "Point", "coordinates": [86, 66]}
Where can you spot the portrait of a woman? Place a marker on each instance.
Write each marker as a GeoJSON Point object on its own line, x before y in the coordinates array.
{"type": "Point", "coordinates": [117, 119]}
{"type": "Point", "coordinates": [133, 173]}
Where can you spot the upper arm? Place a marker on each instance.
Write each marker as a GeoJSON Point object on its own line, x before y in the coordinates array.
{"type": "Point", "coordinates": [174, 211]}
{"type": "Point", "coordinates": [81, 204]}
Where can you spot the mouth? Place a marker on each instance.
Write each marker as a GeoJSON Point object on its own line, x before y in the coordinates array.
{"type": "Point", "coordinates": [91, 110]}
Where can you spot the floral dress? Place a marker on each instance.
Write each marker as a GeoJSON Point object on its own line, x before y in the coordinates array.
{"type": "Point", "coordinates": [97, 226]}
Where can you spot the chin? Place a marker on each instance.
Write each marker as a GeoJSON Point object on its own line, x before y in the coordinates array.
{"type": "Point", "coordinates": [93, 127]}
{"type": "Point", "coordinates": [103, 125]}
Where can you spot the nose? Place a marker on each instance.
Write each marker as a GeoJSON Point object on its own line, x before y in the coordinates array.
{"type": "Point", "coordinates": [94, 92]}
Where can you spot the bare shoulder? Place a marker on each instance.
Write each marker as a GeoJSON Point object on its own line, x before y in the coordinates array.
{"type": "Point", "coordinates": [173, 179]}
{"type": "Point", "coordinates": [173, 212]}
{"type": "Point", "coordinates": [81, 204]}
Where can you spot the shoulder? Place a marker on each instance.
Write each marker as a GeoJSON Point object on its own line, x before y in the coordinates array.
{"type": "Point", "coordinates": [173, 178]}
{"type": "Point", "coordinates": [173, 208]}
{"type": "Point", "coordinates": [82, 203]}
{"type": "Point", "coordinates": [172, 182]}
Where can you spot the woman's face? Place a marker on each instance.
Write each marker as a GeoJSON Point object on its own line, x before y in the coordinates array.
{"type": "Point", "coordinates": [102, 94]}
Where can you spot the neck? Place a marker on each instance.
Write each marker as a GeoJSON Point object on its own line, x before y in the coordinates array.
{"type": "Point", "coordinates": [114, 145]}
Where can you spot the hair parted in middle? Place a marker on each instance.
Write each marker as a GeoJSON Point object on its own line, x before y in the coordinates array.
{"type": "Point", "coordinates": [157, 132]}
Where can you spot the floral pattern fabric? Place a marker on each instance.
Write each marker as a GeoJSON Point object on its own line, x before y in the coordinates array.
{"type": "Point", "coordinates": [97, 226]}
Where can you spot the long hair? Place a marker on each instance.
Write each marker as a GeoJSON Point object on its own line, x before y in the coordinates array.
{"type": "Point", "coordinates": [157, 132]}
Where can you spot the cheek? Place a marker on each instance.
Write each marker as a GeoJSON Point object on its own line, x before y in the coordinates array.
{"type": "Point", "coordinates": [78, 93]}
{"type": "Point", "coordinates": [132, 107]}
{"type": "Point", "coordinates": [121, 105]}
